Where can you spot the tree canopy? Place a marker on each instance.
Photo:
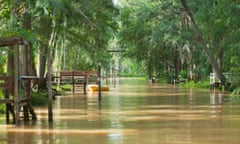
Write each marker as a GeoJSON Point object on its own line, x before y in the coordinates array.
{"type": "Point", "coordinates": [163, 33]}
{"type": "Point", "coordinates": [174, 39]}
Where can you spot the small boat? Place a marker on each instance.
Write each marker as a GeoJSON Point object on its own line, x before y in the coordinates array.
{"type": "Point", "coordinates": [94, 88]}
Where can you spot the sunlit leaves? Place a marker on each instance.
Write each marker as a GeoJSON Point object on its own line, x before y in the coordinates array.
{"type": "Point", "coordinates": [5, 9]}
{"type": "Point", "coordinates": [153, 29]}
{"type": "Point", "coordinates": [150, 31]}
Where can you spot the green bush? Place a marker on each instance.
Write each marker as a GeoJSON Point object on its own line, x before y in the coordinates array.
{"type": "Point", "coordinates": [163, 80]}
{"type": "Point", "coordinates": [236, 91]}
{"type": "Point", "coordinates": [2, 106]}
{"type": "Point", "coordinates": [203, 84]}
{"type": "Point", "coordinates": [199, 84]}
{"type": "Point", "coordinates": [183, 74]}
{"type": "Point", "coordinates": [130, 75]}
{"type": "Point", "coordinates": [189, 84]}
{"type": "Point", "coordinates": [39, 98]}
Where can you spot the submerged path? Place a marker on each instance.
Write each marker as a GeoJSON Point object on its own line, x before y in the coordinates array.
{"type": "Point", "coordinates": [134, 112]}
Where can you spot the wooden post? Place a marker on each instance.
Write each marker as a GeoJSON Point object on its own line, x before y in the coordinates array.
{"type": "Point", "coordinates": [73, 82]}
{"type": "Point", "coordinates": [85, 82]}
{"type": "Point", "coordinates": [16, 83]}
{"type": "Point", "coordinates": [49, 77]}
{"type": "Point", "coordinates": [99, 83]}
{"type": "Point", "coordinates": [10, 73]}
{"type": "Point", "coordinates": [6, 95]}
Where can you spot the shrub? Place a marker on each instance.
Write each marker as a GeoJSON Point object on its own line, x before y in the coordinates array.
{"type": "Point", "coordinates": [199, 84]}
{"type": "Point", "coordinates": [39, 98]}
{"type": "Point", "coordinates": [2, 106]}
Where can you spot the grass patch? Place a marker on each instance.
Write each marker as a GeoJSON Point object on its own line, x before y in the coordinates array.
{"type": "Point", "coordinates": [163, 80]}
{"type": "Point", "coordinates": [198, 84]}
{"type": "Point", "coordinates": [130, 75]}
{"type": "Point", "coordinates": [66, 87]}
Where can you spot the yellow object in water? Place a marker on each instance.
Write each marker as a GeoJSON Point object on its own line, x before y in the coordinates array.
{"type": "Point", "coordinates": [95, 88]}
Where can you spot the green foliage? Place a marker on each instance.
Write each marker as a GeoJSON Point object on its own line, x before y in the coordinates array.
{"type": "Point", "coordinates": [3, 60]}
{"type": "Point", "coordinates": [5, 9]}
{"type": "Point", "coordinates": [163, 80]}
{"type": "Point", "coordinates": [198, 84]}
{"type": "Point", "coordinates": [131, 68]}
{"type": "Point", "coordinates": [149, 32]}
{"type": "Point", "coordinates": [18, 32]}
{"type": "Point", "coordinates": [184, 74]}
{"type": "Point", "coordinates": [122, 74]}
{"type": "Point", "coordinates": [189, 84]}
{"type": "Point", "coordinates": [236, 91]}
{"type": "Point", "coordinates": [203, 83]}
{"type": "Point", "coordinates": [2, 106]}
{"type": "Point", "coordinates": [66, 87]}
{"type": "Point", "coordinates": [77, 31]}
{"type": "Point", "coordinates": [158, 35]}
{"type": "Point", "coordinates": [39, 98]}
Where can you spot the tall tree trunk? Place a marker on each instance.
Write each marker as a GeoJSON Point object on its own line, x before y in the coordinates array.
{"type": "Point", "coordinates": [42, 65]}
{"type": "Point", "coordinates": [211, 59]}
{"type": "Point", "coordinates": [62, 60]}
{"type": "Point", "coordinates": [189, 61]}
{"type": "Point", "coordinates": [176, 63]}
{"type": "Point", "coordinates": [219, 57]}
{"type": "Point", "coordinates": [42, 59]}
{"type": "Point", "coordinates": [49, 84]}
{"type": "Point", "coordinates": [33, 71]}
{"type": "Point", "coordinates": [149, 69]}
{"type": "Point", "coordinates": [27, 25]}
{"type": "Point", "coordinates": [53, 45]}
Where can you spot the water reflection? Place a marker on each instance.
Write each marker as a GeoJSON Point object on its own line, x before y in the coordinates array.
{"type": "Point", "coordinates": [131, 113]}
{"type": "Point", "coordinates": [116, 138]}
{"type": "Point", "coordinates": [215, 97]}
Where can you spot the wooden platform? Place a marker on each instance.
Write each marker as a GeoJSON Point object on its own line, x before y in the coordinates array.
{"type": "Point", "coordinates": [77, 79]}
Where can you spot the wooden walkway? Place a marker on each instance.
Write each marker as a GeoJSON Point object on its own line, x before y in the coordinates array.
{"type": "Point", "coordinates": [76, 79]}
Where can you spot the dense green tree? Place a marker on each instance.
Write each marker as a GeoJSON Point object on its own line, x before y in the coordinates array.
{"type": "Point", "coordinates": [217, 22]}
{"type": "Point", "coordinates": [167, 38]}
{"type": "Point", "coordinates": [181, 35]}
{"type": "Point", "coordinates": [150, 31]}
{"type": "Point", "coordinates": [65, 27]}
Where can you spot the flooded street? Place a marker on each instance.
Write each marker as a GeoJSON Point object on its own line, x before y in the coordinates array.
{"type": "Point", "coordinates": [134, 112]}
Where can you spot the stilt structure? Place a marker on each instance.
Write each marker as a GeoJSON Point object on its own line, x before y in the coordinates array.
{"type": "Point", "coordinates": [17, 77]}
{"type": "Point", "coordinates": [6, 86]}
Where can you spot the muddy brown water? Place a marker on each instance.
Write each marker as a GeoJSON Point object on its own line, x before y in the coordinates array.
{"type": "Point", "coordinates": [134, 112]}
